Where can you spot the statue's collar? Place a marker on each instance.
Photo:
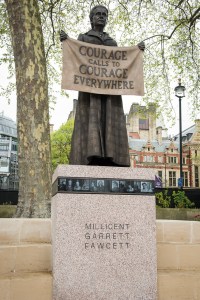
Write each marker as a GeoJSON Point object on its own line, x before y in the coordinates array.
{"type": "Point", "coordinates": [92, 32]}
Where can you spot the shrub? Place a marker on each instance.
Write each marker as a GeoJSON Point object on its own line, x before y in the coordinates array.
{"type": "Point", "coordinates": [181, 200]}
{"type": "Point", "coordinates": [163, 199]}
{"type": "Point", "coordinates": [7, 211]}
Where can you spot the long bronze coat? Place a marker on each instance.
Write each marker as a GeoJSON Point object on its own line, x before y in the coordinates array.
{"type": "Point", "coordinates": [100, 136]}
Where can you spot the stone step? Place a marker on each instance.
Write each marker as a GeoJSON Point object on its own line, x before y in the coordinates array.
{"type": "Point", "coordinates": [173, 231]}
{"type": "Point", "coordinates": [178, 285]}
{"type": "Point", "coordinates": [16, 231]}
{"type": "Point", "coordinates": [38, 257]}
{"type": "Point", "coordinates": [26, 286]}
{"type": "Point", "coordinates": [25, 258]}
{"type": "Point", "coordinates": [174, 285]}
{"type": "Point", "coordinates": [175, 256]}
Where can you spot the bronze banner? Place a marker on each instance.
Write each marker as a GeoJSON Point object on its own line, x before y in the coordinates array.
{"type": "Point", "coordinates": [102, 69]}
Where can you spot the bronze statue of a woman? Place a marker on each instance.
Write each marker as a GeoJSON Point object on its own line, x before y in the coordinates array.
{"type": "Point", "coordinates": [100, 135]}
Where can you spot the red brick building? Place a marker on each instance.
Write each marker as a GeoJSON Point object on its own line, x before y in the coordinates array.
{"type": "Point", "coordinates": [150, 147]}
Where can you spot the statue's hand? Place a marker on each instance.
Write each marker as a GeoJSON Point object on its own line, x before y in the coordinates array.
{"type": "Point", "coordinates": [141, 46]}
{"type": "Point", "coordinates": [63, 36]}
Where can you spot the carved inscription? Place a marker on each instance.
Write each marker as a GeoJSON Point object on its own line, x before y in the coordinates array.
{"type": "Point", "coordinates": [103, 68]}
{"type": "Point", "coordinates": [107, 236]}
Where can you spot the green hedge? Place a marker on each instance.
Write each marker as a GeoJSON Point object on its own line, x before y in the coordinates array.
{"type": "Point", "coordinates": [7, 211]}
{"type": "Point", "coordinates": [178, 214]}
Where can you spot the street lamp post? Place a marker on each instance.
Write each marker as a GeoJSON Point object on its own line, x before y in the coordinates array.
{"type": "Point", "coordinates": [180, 93]}
{"type": "Point", "coordinates": [165, 155]}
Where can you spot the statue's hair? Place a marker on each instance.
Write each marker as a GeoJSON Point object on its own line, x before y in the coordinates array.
{"type": "Point", "coordinates": [92, 12]}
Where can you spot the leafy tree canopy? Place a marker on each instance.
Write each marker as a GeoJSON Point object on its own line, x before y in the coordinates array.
{"type": "Point", "coordinates": [170, 29]}
{"type": "Point", "coordinates": [61, 144]}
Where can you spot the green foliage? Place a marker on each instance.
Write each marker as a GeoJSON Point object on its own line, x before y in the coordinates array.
{"type": "Point", "coordinates": [7, 211]}
{"type": "Point", "coordinates": [181, 200]}
{"type": "Point", "coordinates": [6, 54]}
{"type": "Point", "coordinates": [61, 144]}
{"type": "Point", "coordinates": [170, 29]}
{"type": "Point", "coordinates": [163, 199]}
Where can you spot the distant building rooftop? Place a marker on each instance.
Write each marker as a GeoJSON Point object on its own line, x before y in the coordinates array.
{"type": "Point", "coordinates": [7, 126]}
{"type": "Point", "coordinates": [138, 144]}
{"type": "Point", "coordinates": [186, 134]}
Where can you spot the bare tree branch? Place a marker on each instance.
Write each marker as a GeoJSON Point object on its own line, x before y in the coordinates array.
{"type": "Point", "coordinates": [126, 9]}
{"type": "Point", "coordinates": [163, 35]}
{"type": "Point", "coordinates": [194, 17]}
{"type": "Point", "coordinates": [179, 4]}
{"type": "Point", "coordinates": [51, 10]}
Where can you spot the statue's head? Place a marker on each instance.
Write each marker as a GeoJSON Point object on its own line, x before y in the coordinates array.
{"type": "Point", "coordinates": [102, 12]}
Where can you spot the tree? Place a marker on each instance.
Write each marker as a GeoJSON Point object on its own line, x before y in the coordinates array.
{"type": "Point", "coordinates": [61, 144]}
{"type": "Point", "coordinates": [171, 30]}
{"type": "Point", "coordinates": [32, 109]}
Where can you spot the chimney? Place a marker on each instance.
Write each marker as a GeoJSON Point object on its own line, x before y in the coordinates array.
{"type": "Point", "coordinates": [159, 135]}
{"type": "Point", "coordinates": [197, 125]}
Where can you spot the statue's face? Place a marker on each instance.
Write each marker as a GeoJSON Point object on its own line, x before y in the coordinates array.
{"type": "Point", "coordinates": [100, 17]}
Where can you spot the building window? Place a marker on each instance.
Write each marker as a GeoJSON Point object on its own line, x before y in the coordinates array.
{"type": "Point", "coordinates": [3, 182]}
{"type": "Point", "coordinates": [144, 124]}
{"type": "Point", "coordinates": [172, 178]}
{"type": "Point", "coordinates": [172, 160]}
{"type": "Point", "coordinates": [195, 153]}
{"type": "Point", "coordinates": [3, 163]}
{"type": "Point", "coordinates": [184, 160]}
{"type": "Point", "coordinates": [196, 176]}
{"type": "Point", "coordinates": [4, 147]}
{"type": "Point", "coordinates": [149, 158]}
{"type": "Point", "coordinates": [160, 174]}
{"type": "Point", "coordinates": [13, 157]}
{"type": "Point", "coordinates": [185, 178]}
{"type": "Point", "coordinates": [14, 147]}
{"type": "Point", "coordinates": [172, 150]}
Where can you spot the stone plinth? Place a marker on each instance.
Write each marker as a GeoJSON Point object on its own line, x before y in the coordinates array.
{"type": "Point", "coordinates": [104, 245]}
